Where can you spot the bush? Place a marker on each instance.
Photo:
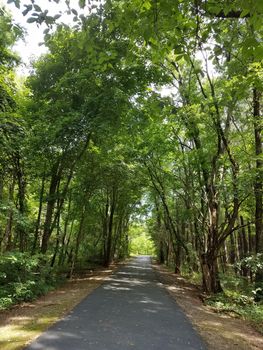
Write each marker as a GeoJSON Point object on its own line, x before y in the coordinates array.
{"type": "Point", "coordinates": [252, 262]}
{"type": "Point", "coordinates": [238, 299]}
{"type": "Point", "coordinates": [24, 277]}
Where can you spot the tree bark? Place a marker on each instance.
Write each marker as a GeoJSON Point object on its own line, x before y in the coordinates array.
{"type": "Point", "coordinates": [36, 235]}
{"type": "Point", "coordinates": [258, 184]}
{"type": "Point", "coordinates": [108, 250]}
{"type": "Point", "coordinates": [51, 201]}
{"type": "Point", "coordinates": [210, 273]}
{"type": "Point", "coordinates": [78, 240]}
{"type": "Point", "coordinates": [9, 223]}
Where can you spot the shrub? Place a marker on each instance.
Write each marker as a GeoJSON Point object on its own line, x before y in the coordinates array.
{"type": "Point", "coordinates": [24, 277]}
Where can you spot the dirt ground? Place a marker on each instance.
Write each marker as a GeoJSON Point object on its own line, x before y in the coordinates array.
{"type": "Point", "coordinates": [219, 331]}
{"type": "Point", "coordinates": [23, 323]}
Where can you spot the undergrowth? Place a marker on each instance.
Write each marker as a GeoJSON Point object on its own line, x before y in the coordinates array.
{"type": "Point", "coordinates": [24, 278]}
{"type": "Point", "coordinates": [237, 299]}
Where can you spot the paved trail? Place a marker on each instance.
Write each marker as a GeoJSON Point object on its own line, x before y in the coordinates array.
{"type": "Point", "coordinates": [130, 310]}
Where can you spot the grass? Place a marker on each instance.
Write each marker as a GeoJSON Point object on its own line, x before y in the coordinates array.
{"type": "Point", "coordinates": [22, 329]}
{"type": "Point", "coordinates": [22, 324]}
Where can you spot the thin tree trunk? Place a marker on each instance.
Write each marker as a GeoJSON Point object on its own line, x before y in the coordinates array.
{"type": "Point", "coordinates": [54, 182]}
{"type": "Point", "coordinates": [78, 240]}
{"type": "Point", "coordinates": [258, 185]}
{"type": "Point", "coordinates": [245, 270]}
{"type": "Point", "coordinates": [108, 252]}
{"type": "Point", "coordinates": [63, 241]}
{"type": "Point", "coordinates": [57, 240]}
{"type": "Point", "coordinates": [41, 195]}
{"type": "Point", "coordinates": [22, 234]}
{"type": "Point", "coordinates": [9, 223]}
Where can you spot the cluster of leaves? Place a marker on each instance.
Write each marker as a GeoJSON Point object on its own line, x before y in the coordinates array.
{"type": "Point", "coordinates": [253, 262]}
{"type": "Point", "coordinates": [24, 277]}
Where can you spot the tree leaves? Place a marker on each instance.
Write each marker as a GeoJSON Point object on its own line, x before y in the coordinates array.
{"type": "Point", "coordinates": [82, 3]}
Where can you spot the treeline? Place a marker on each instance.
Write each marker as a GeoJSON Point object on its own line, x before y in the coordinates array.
{"type": "Point", "coordinates": [67, 187]}
{"type": "Point", "coordinates": [89, 142]}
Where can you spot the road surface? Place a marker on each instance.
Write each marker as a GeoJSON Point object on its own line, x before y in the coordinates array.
{"type": "Point", "coordinates": [130, 310]}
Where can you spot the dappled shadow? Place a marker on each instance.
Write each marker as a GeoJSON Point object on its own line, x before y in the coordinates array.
{"type": "Point", "coordinates": [220, 331]}
{"type": "Point", "coordinates": [129, 310]}
{"type": "Point", "coordinates": [26, 321]}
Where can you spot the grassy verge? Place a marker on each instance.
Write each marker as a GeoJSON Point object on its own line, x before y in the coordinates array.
{"type": "Point", "coordinates": [237, 300]}
{"type": "Point", "coordinates": [23, 323]}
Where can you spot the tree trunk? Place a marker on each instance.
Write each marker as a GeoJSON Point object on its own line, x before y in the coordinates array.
{"type": "Point", "coordinates": [57, 240]}
{"type": "Point", "coordinates": [41, 195]}
{"type": "Point", "coordinates": [251, 245]}
{"type": "Point", "coordinates": [63, 241]}
{"type": "Point", "coordinates": [9, 223]}
{"type": "Point", "coordinates": [63, 257]}
{"type": "Point", "coordinates": [22, 234]}
{"type": "Point", "coordinates": [245, 270]}
{"type": "Point", "coordinates": [108, 252]}
{"type": "Point", "coordinates": [54, 182]}
{"type": "Point", "coordinates": [258, 184]}
{"type": "Point", "coordinates": [78, 240]}
{"type": "Point", "coordinates": [177, 259]}
{"type": "Point", "coordinates": [211, 281]}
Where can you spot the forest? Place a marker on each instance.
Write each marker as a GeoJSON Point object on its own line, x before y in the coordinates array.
{"type": "Point", "coordinates": [144, 117]}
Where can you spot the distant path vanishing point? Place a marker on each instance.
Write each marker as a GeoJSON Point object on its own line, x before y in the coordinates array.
{"type": "Point", "coordinates": [131, 310]}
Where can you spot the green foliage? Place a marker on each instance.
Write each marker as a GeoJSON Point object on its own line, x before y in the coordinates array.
{"type": "Point", "coordinates": [9, 33]}
{"type": "Point", "coordinates": [253, 262]}
{"type": "Point", "coordinates": [140, 242]}
{"type": "Point", "coordinates": [106, 146]}
{"type": "Point", "coordinates": [238, 300]}
{"type": "Point", "coordinates": [24, 277]}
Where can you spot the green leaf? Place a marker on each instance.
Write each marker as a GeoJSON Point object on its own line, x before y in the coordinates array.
{"type": "Point", "coordinates": [82, 3]}
{"type": "Point", "coordinates": [28, 8]}
{"type": "Point", "coordinates": [75, 12]}
{"type": "Point", "coordinates": [244, 13]}
{"type": "Point", "coordinates": [31, 19]}
{"type": "Point", "coordinates": [37, 8]}
{"type": "Point", "coordinates": [17, 4]}
{"type": "Point", "coordinates": [49, 19]}
{"type": "Point", "coordinates": [147, 5]}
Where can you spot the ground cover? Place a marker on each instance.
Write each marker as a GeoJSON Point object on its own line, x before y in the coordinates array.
{"type": "Point", "coordinates": [221, 331]}
{"type": "Point", "coordinates": [24, 322]}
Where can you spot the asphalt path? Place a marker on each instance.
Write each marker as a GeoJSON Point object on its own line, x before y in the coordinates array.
{"type": "Point", "coordinates": [130, 310]}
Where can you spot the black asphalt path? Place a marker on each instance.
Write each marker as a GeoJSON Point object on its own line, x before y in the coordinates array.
{"type": "Point", "coordinates": [131, 310]}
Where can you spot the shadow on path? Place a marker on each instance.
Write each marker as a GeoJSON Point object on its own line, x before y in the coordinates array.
{"type": "Point", "coordinates": [131, 310]}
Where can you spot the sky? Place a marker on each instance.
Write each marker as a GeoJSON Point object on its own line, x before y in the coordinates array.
{"type": "Point", "coordinates": [29, 48]}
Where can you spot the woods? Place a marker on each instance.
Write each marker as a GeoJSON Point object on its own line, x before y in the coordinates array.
{"type": "Point", "coordinates": [143, 111]}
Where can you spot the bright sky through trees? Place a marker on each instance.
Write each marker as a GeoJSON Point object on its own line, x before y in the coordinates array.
{"type": "Point", "coordinates": [86, 139]}
{"type": "Point", "coordinates": [30, 47]}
